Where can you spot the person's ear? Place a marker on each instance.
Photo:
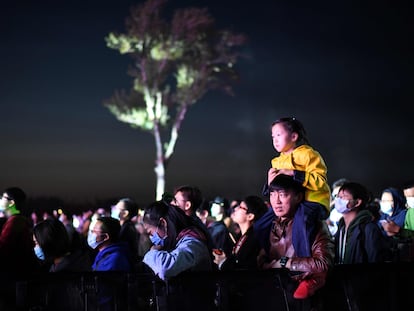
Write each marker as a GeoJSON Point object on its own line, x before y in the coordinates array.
{"type": "Point", "coordinates": [106, 236]}
{"type": "Point", "coordinates": [295, 136]}
{"type": "Point", "coordinates": [250, 216]}
{"type": "Point", "coordinates": [187, 205]}
{"type": "Point", "coordinates": [358, 202]}
{"type": "Point", "coordinates": [163, 224]}
{"type": "Point", "coordinates": [300, 196]}
{"type": "Point", "coordinates": [11, 203]}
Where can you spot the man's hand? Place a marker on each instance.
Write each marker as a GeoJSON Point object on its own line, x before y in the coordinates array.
{"type": "Point", "coordinates": [219, 257]}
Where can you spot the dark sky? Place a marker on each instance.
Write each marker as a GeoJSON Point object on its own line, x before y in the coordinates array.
{"type": "Point", "coordinates": [345, 70]}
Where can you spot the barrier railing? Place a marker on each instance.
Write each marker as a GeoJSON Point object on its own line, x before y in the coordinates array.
{"type": "Point", "coordinates": [387, 286]}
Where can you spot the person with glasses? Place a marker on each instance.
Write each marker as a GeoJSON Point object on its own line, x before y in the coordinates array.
{"type": "Point", "coordinates": [238, 295]}
{"type": "Point", "coordinates": [246, 249]}
{"type": "Point", "coordinates": [334, 215]}
{"type": "Point", "coordinates": [113, 254]}
{"type": "Point", "coordinates": [17, 258]}
{"type": "Point", "coordinates": [188, 198]}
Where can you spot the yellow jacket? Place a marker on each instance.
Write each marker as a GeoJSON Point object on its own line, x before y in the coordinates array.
{"type": "Point", "coordinates": [310, 170]}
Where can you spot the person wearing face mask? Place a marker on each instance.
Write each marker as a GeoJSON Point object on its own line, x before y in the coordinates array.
{"type": "Point", "coordinates": [359, 241]}
{"type": "Point", "coordinates": [408, 189]}
{"type": "Point", "coordinates": [173, 234]}
{"type": "Point", "coordinates": [179, 245]}
{"type": "Point", "coordinates": [393, 208]}
{"type": "Point", "coordinates": [53, 248]}
{"type": "Point", "coordinates": [400, 226]}
{"type": "Point", "coordinates": [16, 244]}
{"type": "Point", "coordinates": [124, 210]}
{"type": "Point", "coordinates": [113, 255]}
{"type": "Point", "coordinates": [358, 238]}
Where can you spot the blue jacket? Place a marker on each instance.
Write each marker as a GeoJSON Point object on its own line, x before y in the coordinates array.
{"type": "Point", "coordinates": [115, 257]}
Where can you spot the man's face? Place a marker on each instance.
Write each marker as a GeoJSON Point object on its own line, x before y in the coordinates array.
{"type": "Point", "coordinates": [216, 210]}
{"type": "Point", "coordinates": [181, 202]}
{"type": "Point", "coordinates": [5, 202]}
{"type": "Point", "coordinates": [409, 195]}
{"type": "Point", "coordinates": [118, 211]}
{"type": "Point", "coordinates": [284, 202]}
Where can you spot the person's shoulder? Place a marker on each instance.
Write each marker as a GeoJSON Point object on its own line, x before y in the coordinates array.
{"type": "Point", "coordinates": [306, 149]}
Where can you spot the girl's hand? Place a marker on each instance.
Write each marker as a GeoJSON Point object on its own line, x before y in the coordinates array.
{"type": "Point", "coordinates": [285, 172]}
{"type": "Point", "coordinates": [271, 174]}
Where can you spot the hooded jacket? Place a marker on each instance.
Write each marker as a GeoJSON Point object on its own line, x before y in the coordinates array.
{"type": "Point", "coordinates": [362, 242]}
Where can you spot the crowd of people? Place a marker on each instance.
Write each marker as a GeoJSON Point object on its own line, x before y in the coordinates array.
{"type": "Point", "coordinates": [298, 223]}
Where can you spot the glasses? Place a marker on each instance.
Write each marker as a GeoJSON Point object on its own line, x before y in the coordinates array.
{"type": "Point", "coordinates": [175, 200]}
{"type": "Point", "coordinates": [242, 207]}
{"type": "Point", "coordinates": [97, 231]}
{"type": "Point", "coordinates": [7, 198]}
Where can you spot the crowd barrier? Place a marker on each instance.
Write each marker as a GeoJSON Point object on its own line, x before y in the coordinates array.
{"type": "Point", "coordinates": [385, 287]}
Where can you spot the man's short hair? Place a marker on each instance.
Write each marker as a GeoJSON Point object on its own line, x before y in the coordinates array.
{"type": "Point", "coordinates": [285, 182]}
{"type": "Point", "coordinates": [18, 196]}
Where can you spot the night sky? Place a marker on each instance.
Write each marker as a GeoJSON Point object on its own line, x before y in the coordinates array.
{"type": "Point", "coordinates": [345, 71]}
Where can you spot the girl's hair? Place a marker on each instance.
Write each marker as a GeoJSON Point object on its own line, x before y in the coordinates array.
{"type": "Point", "coordinates": [176, 220]}
{"type": "Point", "coordinates": [293, 125]}
{"type": "Point", "coordinates": [52, 237]}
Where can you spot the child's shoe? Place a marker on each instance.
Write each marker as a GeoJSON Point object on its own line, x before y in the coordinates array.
{"type": "Point", "coordinates": [305, 289]}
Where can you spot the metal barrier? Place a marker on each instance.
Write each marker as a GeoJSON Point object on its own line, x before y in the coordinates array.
{"type": "Point", "coordinates": [349, 287]}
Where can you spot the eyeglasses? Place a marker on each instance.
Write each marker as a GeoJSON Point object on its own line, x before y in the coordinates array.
{"type": "Point", "coordinates": [97, 231]}
{"type": "Point", "coordinates": [242, 207]}
{"type": "Point", "coordinates": [6, 197]}
{"type": "Point", "coordinates": [175, 201]}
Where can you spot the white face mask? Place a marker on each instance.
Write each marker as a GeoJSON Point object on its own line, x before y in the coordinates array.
{"type": "Point", "coordinates": [341, 205]}
{"type": "Point", "coordinates": [215, 209]}
{"type": "Point", "coordinates": [92, 240]}
{"type": "Point", "coordinates": [115, 213]}
{"type": "Point", "coordinates": [410, 202]}
{"type": "Point", "coordinates": [386, 207]}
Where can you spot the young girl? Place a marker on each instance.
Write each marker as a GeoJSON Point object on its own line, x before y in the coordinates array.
{"type": "Point", "coordinates": [298, 159]}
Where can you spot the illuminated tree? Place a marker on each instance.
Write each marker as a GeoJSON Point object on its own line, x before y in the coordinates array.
{"type": "Point", "coordinates": [175, 63]}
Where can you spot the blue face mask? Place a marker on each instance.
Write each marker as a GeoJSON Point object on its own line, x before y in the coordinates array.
{"type": "Point", "coordinates": [341, 205]}
{"type": "Point", "coordinates": [39, 252]}
{"type": "Point", "coordinates": [156, 239]}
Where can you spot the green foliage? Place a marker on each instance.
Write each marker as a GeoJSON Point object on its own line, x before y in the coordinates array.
{"type": "Point", "coordinates": [175, 62]}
